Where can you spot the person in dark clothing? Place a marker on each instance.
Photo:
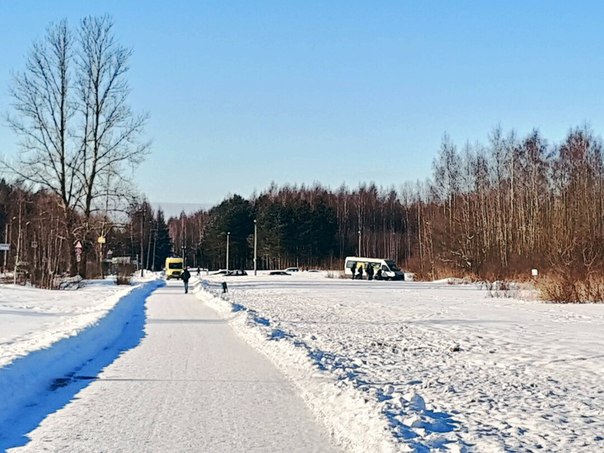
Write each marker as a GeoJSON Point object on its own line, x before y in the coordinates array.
{"type": "Point", "coordinates": [370, 271]}
{"type": "Point", "coordinates": [352, 269]}
{"type": "Point", "coordinates": [185, 276]}
{"type": "Point", "coordinates": [378, 274]}
{"type": "Point", "coordinates": [360, 272]}
{"type": "Point", "coordinates": [198, 271]}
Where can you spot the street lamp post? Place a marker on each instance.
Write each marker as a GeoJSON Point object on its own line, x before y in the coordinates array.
{"type": "Point", "coordinates": [359, 243]}
{"type": "Point", "coordinates": [142, 242]}
{"type": "Point", "coordinates": [154, 246]}
{"type": "Point", "coordinates": [227, 250]}
{"type": "Point", "coordinates": [17, 257]}
{"type": "Point", "coordinates": [7, 242]}
{"type": "Point", "coordinates": [255, 245]}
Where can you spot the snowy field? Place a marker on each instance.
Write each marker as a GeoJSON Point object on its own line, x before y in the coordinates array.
{"type": "Point", "coordinates": [385, 366]}
{"type": "Point", "coordinates": [428, 366]}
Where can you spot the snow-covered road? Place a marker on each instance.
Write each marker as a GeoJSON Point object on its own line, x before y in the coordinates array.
{"type": "Point", "coordinates": [190, 385]}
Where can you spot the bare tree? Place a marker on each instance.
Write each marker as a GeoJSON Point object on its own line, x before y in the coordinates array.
{"type": "Point", "coordinates": [44, 107]}
{"type": "Point", "coordinates": [111, 132]}
{"type": "Point", "coordinates": [79, 136]}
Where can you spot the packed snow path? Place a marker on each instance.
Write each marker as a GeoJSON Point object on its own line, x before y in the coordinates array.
{"type": "Point", "coordinates": [190, 385]}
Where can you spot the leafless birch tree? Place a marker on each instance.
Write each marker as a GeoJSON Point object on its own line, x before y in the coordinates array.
{"type": "Point", "coordinates": [44, 108]}
{"type": "Point", "coordinates": [110, 131]}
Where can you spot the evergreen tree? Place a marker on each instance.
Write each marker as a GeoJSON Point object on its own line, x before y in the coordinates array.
{"type": "Point", "coordinates": [233, 216]}
{"type": "Point", "coordinates": [162, 243]}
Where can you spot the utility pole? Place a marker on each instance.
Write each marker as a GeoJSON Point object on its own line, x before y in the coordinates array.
{"type": "Point", "coordinates": [227, 250]}
{"type": "Point", "coordinates": [7, 242]}
{"type": "Point", "coordinates": [149, 249]}
{"type": "Point", "coordinates": [359, 243]}
{"type": "Point", "coordinates": [255, 245]}
{"type": "Point", "coordinates": [18, 246]}
{"type": "Point", "coordinates": [142, 237]}
{"type": "Point", "coordinates": [154, 246]}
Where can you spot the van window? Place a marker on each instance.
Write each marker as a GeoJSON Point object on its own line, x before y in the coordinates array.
{"type": "Point", "coordinates": [392, 265]}
{"type": "Point", "coordinates": [351, 264]}
{"type": "Point", "coordinates": [175, 266]}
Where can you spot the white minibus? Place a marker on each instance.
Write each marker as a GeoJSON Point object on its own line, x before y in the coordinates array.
{"type": "Point", "coordinates": [389, 269]}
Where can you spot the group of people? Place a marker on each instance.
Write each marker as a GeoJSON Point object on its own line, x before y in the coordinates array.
{"type": "Point", "coordinates": [357, 272]}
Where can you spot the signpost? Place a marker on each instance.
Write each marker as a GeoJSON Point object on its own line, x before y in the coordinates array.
{"type": "Point", "coordinates": [78, 251]}
{"type": "Point", "coordinates": [101, 241]}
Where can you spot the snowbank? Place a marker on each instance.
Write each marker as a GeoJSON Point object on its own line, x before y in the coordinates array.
{"type": "Point", "coordinates": [36, 362]}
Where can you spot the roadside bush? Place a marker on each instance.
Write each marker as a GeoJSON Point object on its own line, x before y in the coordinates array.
{"type": "Point", "coordinates": [592, 289]}
{"type": "Point", "coordinates": [566, 289]}
{"type": "Point", "coordinates": [421, 276]}
{"type": "Point", "coordinates": [124, 274]}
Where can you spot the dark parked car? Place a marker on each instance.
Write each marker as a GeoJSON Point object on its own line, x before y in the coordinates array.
{"type": "Point", "coordinates": [221, 272]}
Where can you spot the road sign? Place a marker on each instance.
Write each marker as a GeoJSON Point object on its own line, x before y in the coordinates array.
{"type": "Point", "coordinates": [4, 247]}
{"type": "Point", "coordinates": [78, 251]}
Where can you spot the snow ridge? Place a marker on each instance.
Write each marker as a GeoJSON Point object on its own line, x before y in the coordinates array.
{"type": "Point", "coordinates": [361, 415]}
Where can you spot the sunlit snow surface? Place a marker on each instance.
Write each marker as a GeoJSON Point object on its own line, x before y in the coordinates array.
{"type": "Point", "coordinates": [438, 366]}
{"type": "Point", "coordinates": [33, 319]}
{"type": "Point", "coordinates": [386, 366]}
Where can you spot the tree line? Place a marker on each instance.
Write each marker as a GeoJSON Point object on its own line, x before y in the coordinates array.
{"type": "Point", "coordinates": [513, 204]}
{"type": "Point", "coordinates": [494, 210]}
{"type": "Point", "coordinates": [40, 249]}
{"type": "Point", "coordinates": [490, 211]}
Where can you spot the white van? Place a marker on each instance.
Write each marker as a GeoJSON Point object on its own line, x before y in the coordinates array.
{"type": "Point", "coordinates": [390, 270]}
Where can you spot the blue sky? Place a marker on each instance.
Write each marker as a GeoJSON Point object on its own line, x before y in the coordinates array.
{"type": "Point", "coordinates": [244, 93]}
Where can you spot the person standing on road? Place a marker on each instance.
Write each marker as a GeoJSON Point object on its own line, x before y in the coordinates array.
{"type": "Point", "coordinates": [186, 275]}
